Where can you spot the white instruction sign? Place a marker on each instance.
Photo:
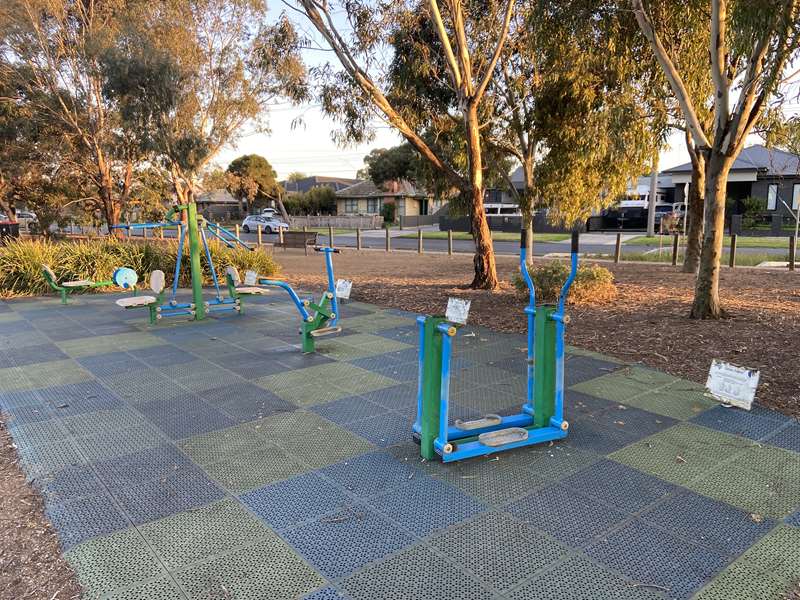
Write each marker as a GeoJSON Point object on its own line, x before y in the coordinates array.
{"type": "Point", "coordinates": [343, 287]}
{"type": "Point", "coordinates": [731, 384]}
{"type": "Point", "coordinates": [457, 310]}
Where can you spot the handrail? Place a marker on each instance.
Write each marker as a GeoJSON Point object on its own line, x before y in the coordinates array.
{"type": "Point", "coordinates": [562, 297]}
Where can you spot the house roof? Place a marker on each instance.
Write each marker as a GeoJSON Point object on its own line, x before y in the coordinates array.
{"type": "Point", "coordinates": [304, 185]}
{"type": "Point", "coordinates": [756, 158]}
{"type": "Point", "coordinates": [217, 197]}
{"type": "Point", "coordinates": [367, 189]}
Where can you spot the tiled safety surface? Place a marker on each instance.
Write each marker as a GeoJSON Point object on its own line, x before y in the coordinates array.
{"type": "Point", "coordinates": [214, 461]}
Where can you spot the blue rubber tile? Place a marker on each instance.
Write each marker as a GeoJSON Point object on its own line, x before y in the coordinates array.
{"type": "Point", "coordinates": [337, 545]}
{"type": "Point", "coordinates": [653, 556]}
{"type": "Point", "coordinates": [710, 523]}
{"type": "Point", "coordinates": [738, 422]}
{"type": "Point", "coordinates": [633, 422]}
{"type": "Point", "coordinates": [30, 413]}
{"type": "Point", "coordinates": [12, 400]}
{"type": "Point", "coordinates": [73, 481]}
{"type": "Point", "coordinates": [285, 504]}
{"type": "Point", "coordinates": [569, 517]}
{"type": "Point", "coordinates": [39, 353]}
{"type": "Point", "coordinates": [624, 488]}
{"type": "Point", "coordinates": [142, 466]}
{"type": "Point", "coordinates": [349, 409]}
{"type": "Point", "coordinates": [257, 368]}
{"type": "Point", "coordinates": [383, 430]}
{"type": "Point", "coordinates": [11, 327]}
{"type": "Point", "coordinates": [374, 363]}
{"type": "Point", "coordinates": [201, 419]}
{"type": "Point", "coordinates": [298, 360]}
{"type": "Point", "coordinates": [245, 401]}
{"type": "Point", "coordinates": [158, 410]}
{"type": "Point", "coordinates": [326, 593]}
{"type": "Point", "coordinates": [370, 473]}
{"type": "Point", "coordinates": [578, 369]}
{"type": "Point", "coordinates": [112, 328]}
{"type": "Point", "coordinates": [156, 499]}
{"type": "Point", "coordinates": [80, 398]}
{"type": "Point", "coordinates": [793, 519]}
{"type": "Point", "coordinates": [406, 372]}
{"type": "Point", "coordinates": [788, 438]}
{"type": "Point", "coordinates": [403, 333]}
{"type": "Point", "coordinates": [113, 363]}
{"type": "Point", "coordinates": [162, 355]}
{"type": "Point", "coordinates": [424, 505]}
{"type": "Point", "coordinates": [396, 397]}
{"type": "Point", "coordinates": [84, 518]}
{"type": "Point", "coordinates": [586, 434]}
{"type": "Point", "coordinates": [63, 334]}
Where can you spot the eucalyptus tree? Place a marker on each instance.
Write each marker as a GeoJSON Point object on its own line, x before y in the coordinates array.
{"type": "Point", "coordinates": [466, 40]}
{"type": "Point", "coordinates": [750, 43]}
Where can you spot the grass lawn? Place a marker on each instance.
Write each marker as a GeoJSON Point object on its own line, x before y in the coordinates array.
{"type": "Point", "coordinates": [742, 260]}
{"type": "Point", "coordinates": [498, 236]}
{"type": "Point", "coordinates": [741, 241]}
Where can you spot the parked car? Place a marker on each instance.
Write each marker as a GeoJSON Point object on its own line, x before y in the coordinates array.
{"type": "Point", "coordinates": [266, 224]}
{"type": "Point", "coordinates": [269, 212]}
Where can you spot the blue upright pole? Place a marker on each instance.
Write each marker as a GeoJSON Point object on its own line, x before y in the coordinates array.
{"type": "Point", "coordinates": [530, 311]}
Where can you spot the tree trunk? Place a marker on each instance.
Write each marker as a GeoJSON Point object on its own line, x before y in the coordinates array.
{"type": "Point", "coordinates": [653, 196]}
{"type": "Point", "coordinates": [526, 206]}
{"type": "Point", "coordinates": [694, 214]}
{"type": "Point", "coordinates": [485, 269]}
{"type": "Point", "coordinates": [706, 294]}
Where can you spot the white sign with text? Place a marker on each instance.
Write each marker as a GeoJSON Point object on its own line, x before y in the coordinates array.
{"type": "Point", "coordinates": [457, 310]}
{"type": "Point", "coordinates": [343, 287]}
{"type": "Point", "coordinates": [732, 385]}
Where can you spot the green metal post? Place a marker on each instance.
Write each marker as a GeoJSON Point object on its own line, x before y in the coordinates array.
{"type": "Point", "coordinates": [196, 269]}
{"type": "Point", "coordinates": [431, 387]}
{"type": "Point", "coordinates": [544, 393]}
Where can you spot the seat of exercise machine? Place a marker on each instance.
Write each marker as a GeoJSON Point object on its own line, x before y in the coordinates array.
{"type": "Point", "coordinates": [77, 283]}
{"type": "Point", "coordinates": [250, 284]}
{"type": "Point", "coordinates": [135, 301]}
{"type": "Point", "coordinates": [157, 280]}
{"type": "Point", "coordinates": [325, 331]}
{"type": "Point", "coordinates": [487, 421]}
{"type": "Point", "coordinates": [501, 437]}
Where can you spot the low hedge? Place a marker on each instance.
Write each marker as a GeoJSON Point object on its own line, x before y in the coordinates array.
{"type": "Point", "coordinates": [21, 262]}
{"type": "Point", "coordinates": [593, 284]}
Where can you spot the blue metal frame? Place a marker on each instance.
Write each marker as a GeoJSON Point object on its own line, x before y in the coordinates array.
{"type": "Point", "coordinates": [454, 444]}
{"type": "Point", "coordinates": [299, 304]}
{"type": "Point", "coordinates": [331, 283]}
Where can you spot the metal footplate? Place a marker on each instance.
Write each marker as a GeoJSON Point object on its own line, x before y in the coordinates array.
{"type": "Point", "coordinates": [487, 421]}
{"type": "Point", "coordinates": [325, 331]}
{"type": "Point", "coordinates": [501, 437]}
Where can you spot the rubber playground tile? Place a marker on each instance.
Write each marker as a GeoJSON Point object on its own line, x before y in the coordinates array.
{"type": "Point", "coordinates": [349, 409]}
{"type": "Point", "coordinates": [338, 544]}
{"type": "Point", "coordinates": [18, 325]}
{"type": "Point", "coordinates": [182, 402]}
{"type": "Point", "coordinates": [321, 373]}
{"type": "Point", "coordinates": [202, 419]}
{"type": "Point", "coordinates": [254, 469]}
{"type": "Point", "coordinates": [742, 581]}
{"type": "Point", "coordinates": [326, 593]}
{"type": "Point", "coordinates": [68, 483]}
{"type": "Point", "coordinates": [137, 388]}
{"type": "Point", "coordinates": [49, 458]}
{"type": "Point", "coordinates": [793, 519]}
{"type": "Point", "coordinates": [625, 383]}
{"type": "Point", "coordinates": [739, 422]}
{"type": "Point", "coordinates": [383, 430]}
{"type": "Point", "coordinates": [681, 453]}
{"type": "Point", "coordinates": [113, 363]}
{"type": "Point", "coordinates": [406, 372]}
{"type": "Point", "coordinates": [592, 436]}
{"type": "Point", "coordinates": [491, 482]}
{"type": "Point", "coordinates": [396, 397]}
{"type": "Point", "coordinates": [653, 556]}
{"type": "Point", "coordinates": [313, 393]}
{"type": "Point", "coordinates": [86, 517]}
{"type": "Point", "coordinates": [103, 420]}
{"type": "Point", "coordinates": [578, 578]}
{"type": "Point", "coordinates": [107, 564]}
{"type": "Point", "coordinates": [118, 442]}
{"type": "Point", "coordinates": [22, 340]}
{"type": "Point", "coordinates": [678, 401]}
{"type": "Point", "coordinates": [38, 353]}
{"type": "Point", "coordinates": [550, 463]}
{"type": "Point", "coordinates": [158, 589]}
{"type": "Point", "coordinates": [407, 334]}
{"type": "Point", "coordinates": [414, 573]}
{"type": "Point", "coordinates": [776, 553]}
{"type": "Point", "coordinates": [44, 375]}
{"type": "Point", "coordinates": [162, 355]}
{"type": "Point", "coordinates": [208, 448]}
{"type": "Point", "coordinates": [245, 402]}
{"type": "Point", "coordinates": [622, 487]}
{"type": "Point", "coordinates": [285, 504]}
{"type": "Point", "coordinates": [268, 568]}
{"type": "Point", "coordinates": [184, 538]}
{"type": "Point", "coordinates": [324, 447]}
{"type": "Point", "coordinates": [66, 333]}
{"type": "Point", "coordinates": [208, 378]}
{"type": "Point", "coordinates": [81, 398]}
{"type": "Point", "coordinates": [284, 426]}
{"type": "Point", "coordinates": [10, 400]}
{"type": "Point", "coordinates": [104, 344]}
{"type": "Point", "coordinates": [498, 549]}
{"type": "Point", "coordinates": [571, 518]}
{"type": "Point", "coordinates": [370, 474]}
{"type": "Point", "coordinates": [578, 369]}
{"type": "Point", "coordinates": [30, 413]}
{"type": "Point", "coordinates": [37, 433]}
{"type": "Point", "coordinates": [788, 438]}
{"type": "Point", "coordinates": [156, 463]}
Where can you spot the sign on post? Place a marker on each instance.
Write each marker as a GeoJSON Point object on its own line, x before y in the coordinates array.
{"type": "Point", "coordinates": [457, 310]}
{"type": "Point", "coordinates": [731, 384]}
{"type": "Point", "coordinates": [343, 287]}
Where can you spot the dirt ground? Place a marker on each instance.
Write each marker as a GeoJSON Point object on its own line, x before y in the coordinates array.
{"type": "Point", "coordinates": [647, 323]}
{"type": "Point", "coordinates": [30, 560]}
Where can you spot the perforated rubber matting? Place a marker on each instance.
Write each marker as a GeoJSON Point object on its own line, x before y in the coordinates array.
{"type": "Point", "coordinates": [213, 460]}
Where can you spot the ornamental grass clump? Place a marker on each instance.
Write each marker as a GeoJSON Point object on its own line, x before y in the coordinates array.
{"type": "Point", "coordinates": [593, 284]}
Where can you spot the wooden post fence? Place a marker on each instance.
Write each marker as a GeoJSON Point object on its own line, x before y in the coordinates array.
{"type": "Point", "coordinates": [618, 248]}
{"type": "Point", "coordinates": [388, 242]}
{"type": "Point", "coordinates": [675, 239]}
{"type": "Point", "coordinates": [330, 236]}
{"type": "Point", "coordinates": [419, 241]}
{"type": "Point", "coordinates": [358, 238]}
{"type": "Point", "coordinates": [792, 250]}
{"type": "Point", "coordinates": [450, 242]}
{"type": "Point", "coordinates": [732, 257]}
{"type": "Point", "coordinates": [259, 236]}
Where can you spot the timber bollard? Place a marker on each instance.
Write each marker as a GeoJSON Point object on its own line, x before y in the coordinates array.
{"type": "Point", "coordinates": [450, 242]}
{"type": "Point", "coordinates": [236, 229]}
{"type": "Point", "coordinates": [259, 237]}
{"type": "Point", "coordinates": [358, 238]}
{"type": "Point", "coordinates": [161, 233]}
{"type": "Point", "coordinates": [388, 243]}
{"type": "Point", "coordinates": [792, 250]}
{"type": "Point", "coordinates": [280, 235]}
{"type": "Point", "coordinates": [419, 241]}
{"type": "Point", "coordinates": [732, 257]}
{"type": "Point", "coordinates": [675, 240]}
{"type": "Point", "coordinates": [618, 248]}
{"type": "Point", "coordinates": [330, 236]}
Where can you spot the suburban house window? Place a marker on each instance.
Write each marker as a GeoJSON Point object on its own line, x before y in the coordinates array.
{"type": "Point", "coordinates": [796, 196]}
{"type": "Point", "coordinates": [373, 206]}
{"type": "Point", "coordinates": [351, 205]}
{"type": "Point", "coordinates": [772, 196]}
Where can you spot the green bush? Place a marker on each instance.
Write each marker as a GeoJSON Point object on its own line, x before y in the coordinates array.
{"type": "Point", "coordinates": [21, 262]}
{"type": "Point", "coordinates": [389, 212]}
{"type": "Point", "coordinates": [593, 284]}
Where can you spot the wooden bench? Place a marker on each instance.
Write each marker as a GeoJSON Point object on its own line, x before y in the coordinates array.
{"type": "Point", "coordinates": [299, 239]}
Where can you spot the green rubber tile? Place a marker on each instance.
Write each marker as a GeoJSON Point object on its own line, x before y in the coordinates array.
{"type": "Point", "coordinates": [761, 480]}
{"type": "Point", "coordinates": [219, 445]}
{"type": "Point", "coordinates": [159, 589]}
{"type": "Point", "coordinates": [113, 443]}
{"type": "Point", "coordinates": [624, 384]}
{"type": "Point", "coordinates": [144, 386]}
{"type": "Point", "coordinates": [322, 448]}
{"type": "Point", "coordinates": [57, 372]}
{"type": "Point", "coordinates": [375, 322]}
{"type": "Point", "coordinates": [108, 563]}
{"type": "Point", "coordinates": [575, 351]}
{"type": "Point", "coordinates": [681, 453]}
{"type": "Point", "coordinates": [24, 339]}
{"type": "Point", "coordinates": [317, 373]}
{"type": "Point", "coordinates": [742, 581]}
{"type": "Point", "coordinates": [14, 379]}
{"type": "Point", "coordinates": [490, 482]}
{"type": "Point", "coordinates": [254, 469]}
{"type": "Point", "coordinates": [497, 548]}
{"type": "Point", "coordinates": [550, 463]}
{"type": "Point", "coordinates": [677, 400]}
{"type": "Point", "coordinates": [102, 344]}
{"type": "Point", "coordinates": [184, 538]}
{"type": "Point", "coordinates": [283, 426]}
{"type": "Point", "coordinates": [776, 553]}
{"type": "Point", "coordinates": [313, 393]}
{"type": "Point", "coordinates": [267, 569]}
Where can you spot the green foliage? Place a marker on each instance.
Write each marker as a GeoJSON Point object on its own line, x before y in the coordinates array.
{"type": "Point", "coordinates": [399, 162]}
{"type": "Point", "coordinates": [593, 284]}
{"type": "Point", "coordinates": [752, 209]}
{"type": "Point", "coordinates": [21, 262]}
{"type": "Point", "coordinates": [252, 177]}
{"type": "Point", "coordinates": [389, 212]}
{"type": "Point", "coordinates": [319, 200]}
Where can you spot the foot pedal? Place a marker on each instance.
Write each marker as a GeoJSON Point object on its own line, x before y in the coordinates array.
{"type": "Point", "coordinates": [487, 421]}
{"type": "Point", "coordinates": [501, 437]}
{"type": "Point", "coordinates": [325, 331]}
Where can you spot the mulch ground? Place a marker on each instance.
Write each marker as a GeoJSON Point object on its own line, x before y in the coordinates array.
{"type": "Point", "coordinates": [31, 565]}
{"type": "Point", "coordinates": [648, 321]}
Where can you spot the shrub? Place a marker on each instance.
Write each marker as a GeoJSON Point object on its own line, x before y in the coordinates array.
{"type": "Point", "coordinates": [389, 212]}
{"type": "Point", "coordinates": [593, 284]}
{"type": "Point", "coordinates": [21, 262]}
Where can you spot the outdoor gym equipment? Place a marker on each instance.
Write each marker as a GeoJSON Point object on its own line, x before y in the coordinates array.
{"type": "Point", "coordinates": [68, 287]}
{"type": "Point", "coordinates": [196, 226]}
{"type": "Point", "coordinates": [542, 416]}
{"type": "Point", "coordinates": [318, 318]}
{"type": "Point", "coordinates": [123, 278]}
